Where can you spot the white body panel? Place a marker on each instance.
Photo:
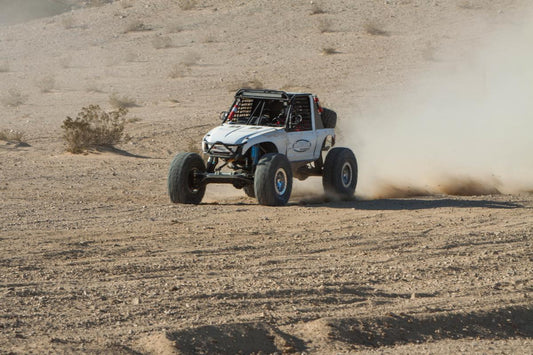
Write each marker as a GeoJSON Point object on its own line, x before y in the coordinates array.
{"type": "Point", "coordinates": [298, 146]}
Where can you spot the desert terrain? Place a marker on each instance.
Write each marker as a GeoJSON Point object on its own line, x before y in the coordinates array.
{"type": "Point", "coordinates": [434, 254]}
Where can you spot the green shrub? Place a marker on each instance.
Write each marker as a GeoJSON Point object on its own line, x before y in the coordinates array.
{"type": "Point", "coordinates": [93, 127]}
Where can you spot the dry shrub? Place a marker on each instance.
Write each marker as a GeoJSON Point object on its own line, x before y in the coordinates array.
{"type": "Point", "coordinates": [190, 59]}
{"type": "Point", "coordinates": [375, 29]}
{"type": "Point", "coordinates": [468, 5]}
{"type": "Point", "coordinates": [14, 98]}
{"type": "Point", "coordinates": [134, 119]}
{"type": "Point", "coordinates": [93, 87]}
{"type": "Point", "coordinates": [187, 4]}
{"type": "Point", "coordinates": [121, 102]}
{"type": "Point", "coordinates": [46, 84]}
{"type": "Point", "coordinates": [209, 38]}
{"type": "Point", "coordinates": [130, 56]}
{"type": "Point", "coordinates": [324, 25]}
{"type": "Point", "coordinates": [92, 128]}
{"type": "Point", "coordinates": [174, 28]}
{"type": "Point", "coordinates": [10, 135]}
{"type": "Point", "coordinates": [126, 4]}
{"type": "Point", "coordinates": [135, 26]}
{"type": "Point", "coordinates": [178, 71]}
{"type": "Point", "coordinates": [161, 42]}
{"type": "Point", "coordinates": [316, 9]}
{"type": "Point", "coordinates": [329, 51]}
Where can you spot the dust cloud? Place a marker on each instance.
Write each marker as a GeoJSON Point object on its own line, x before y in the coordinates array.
{"type": "Point", "coordinates": [465, 129]}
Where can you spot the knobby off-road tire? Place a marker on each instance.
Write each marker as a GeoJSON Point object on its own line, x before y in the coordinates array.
{"type": "Point", "coordinates": [182, 185]}
{"type": "Point", "coordinates": [339, 176]}
{"type": "Point", "coordinates": [329, 118]}
{"type": "Point", "coordinates": [249, 190]}
{"type": "Point", "coordinates": [273, 180]}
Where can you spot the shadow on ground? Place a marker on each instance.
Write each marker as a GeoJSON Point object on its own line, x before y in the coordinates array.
{"type": "Point", "coordinates": [354, 333]}
{"type": "Point", "coordinates": [407, 204]}
{"type": "Point", "coordinates": [114, 150]}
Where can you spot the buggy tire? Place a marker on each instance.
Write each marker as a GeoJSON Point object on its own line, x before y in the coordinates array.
{"type": "Point", "coordinates": [249, 190]}
{"type": "Point", "coordinates": [273, 180]}
{"type": "Point", "coordinates": [339, 176]}
{"type": "Point", "coordinates": [329, 118]}
{"type": "Point", "coordinates": [183, 187]}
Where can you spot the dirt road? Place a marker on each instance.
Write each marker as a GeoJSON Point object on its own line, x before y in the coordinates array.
{"type": "Point", "coordinates": [97, 259]}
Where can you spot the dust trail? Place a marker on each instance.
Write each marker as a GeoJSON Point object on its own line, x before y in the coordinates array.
{"type": "Point", "coordinates": [466, 128]}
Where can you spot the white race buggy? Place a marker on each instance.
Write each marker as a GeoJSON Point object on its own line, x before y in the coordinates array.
{"type": "Point", "coordinates": [265, 139]}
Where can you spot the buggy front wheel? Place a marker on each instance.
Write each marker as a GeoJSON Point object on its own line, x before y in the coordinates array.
{"type": "Point", "coordinates": [184, 185]}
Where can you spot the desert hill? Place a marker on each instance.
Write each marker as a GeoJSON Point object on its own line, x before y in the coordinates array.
{"type": "Point", "coordinates": [94, 258]}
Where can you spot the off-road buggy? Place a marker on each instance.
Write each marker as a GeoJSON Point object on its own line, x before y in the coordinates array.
{"type": "Point", "coordinates": [265, 139]}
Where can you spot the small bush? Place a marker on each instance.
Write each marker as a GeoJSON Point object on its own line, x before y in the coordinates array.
{"type": "Point", "coordinates": [131, 56]}
{"type": "Point", "coordinates": [93, 128]}
{"type": "Point", "coordinates": [187, 4]}
{"type": "Point", "coordinates": [10, 135]}
{"type": "Point", "coordinates": [375, 29]}
{"type": "Point", "coordinates": [175, 28]}
{"type": "Point", "coordinates": [121, 102]}
{"type": "Point", "coordinates": [316, 9]}
{"type": "Point", "coordinates": [161, 42]}
{"type": "Point", "coordinates": [190, 59]}
{"type": "Point", "coordinates": [209, 38]}
{"type": "Point", "coordinates": [136, 26]}
{"type": "Point", "coordinates": [178, 71]}
{"type": "Point", "coordinates": [126, 4]}
{"type": "Point", "coordinates": [14, 98]}
{"type": "Point", "coordinates": [324, 25]}
{"type": "Point", "coordinates": [329, 50]}
{"type": "Point", "coordinates": [468, 5]}
{"type": "Point", "coordinates": [46, 84]}
{"type": "Point", "coordinates": [92, 87]}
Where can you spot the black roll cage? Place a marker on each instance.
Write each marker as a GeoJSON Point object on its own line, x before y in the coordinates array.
{"type": "Point", "coordinates": [265, 94]}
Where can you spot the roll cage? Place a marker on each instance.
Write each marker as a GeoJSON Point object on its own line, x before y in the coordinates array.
{"type": "Point", "coordinates": [269, 108]}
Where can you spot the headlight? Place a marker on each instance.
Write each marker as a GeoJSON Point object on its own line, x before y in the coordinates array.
{"type": "Point", "coordinates": [220, 149]}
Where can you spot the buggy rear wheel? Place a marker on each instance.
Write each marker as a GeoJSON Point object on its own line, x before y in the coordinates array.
{"type": "Point", "coordinates": [339, 176]}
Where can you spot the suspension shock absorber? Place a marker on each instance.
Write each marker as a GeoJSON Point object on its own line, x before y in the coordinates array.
{"type": "Point", "coordinates": [211, 164]}
{"type": "Point", "coordinates": [255, 155]}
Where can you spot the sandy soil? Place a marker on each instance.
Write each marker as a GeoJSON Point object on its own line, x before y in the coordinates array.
{"type": "Point", "coordinates": [95, 259]}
